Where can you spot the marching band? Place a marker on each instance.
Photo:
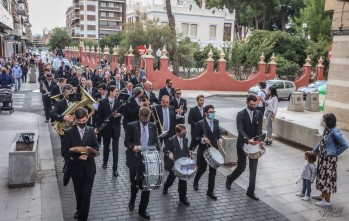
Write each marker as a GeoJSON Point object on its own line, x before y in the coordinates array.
{"type": "Point", "coordinates": [155, 134]}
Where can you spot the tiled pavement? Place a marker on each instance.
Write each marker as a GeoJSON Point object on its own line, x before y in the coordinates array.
{"type": "Point", "coordinates": [110, 198]}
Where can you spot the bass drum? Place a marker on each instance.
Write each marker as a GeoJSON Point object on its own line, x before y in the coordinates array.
{"type": "Point", "coordinates": [153, 165]}
{"type": "Point", "coordinates": [184, 168]}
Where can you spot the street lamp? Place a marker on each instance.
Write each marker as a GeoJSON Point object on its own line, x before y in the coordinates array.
{"type": "Point", "coordinates": [158, 54]}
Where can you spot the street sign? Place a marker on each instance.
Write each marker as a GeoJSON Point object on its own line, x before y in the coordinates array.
{"type": "Point", "coordinates": [141, 50]}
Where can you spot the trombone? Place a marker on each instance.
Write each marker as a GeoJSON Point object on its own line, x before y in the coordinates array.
{"type": "Point", "coordinates": [155, 115]}
{"type": "Point", "coordinates": [45, 89]}
{"type": "Point", "coordinates": [179, 115]}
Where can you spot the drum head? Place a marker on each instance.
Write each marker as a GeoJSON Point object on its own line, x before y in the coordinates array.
{"type": "Point", "coordinates": [216, 155]}
{"type": "Point", "coordinates": [185, 165]}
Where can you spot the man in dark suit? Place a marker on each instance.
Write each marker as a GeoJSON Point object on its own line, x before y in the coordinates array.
{"type": "Point", "coordinates": [207, 134]}
{"type": "Point", "coordinates": [180, 106]}
{"type": "Point", "coordinates": [132, 107]}
{"type": "Point", "coordinates": [62, 70]}
{"type": "Point", "coordinates": [167, 119]}
{"type": "Point", "coordinates": [111, 132]}
{"type": "Point", "coordinates": [92, 91]}
{"type": "Point", "coordinates": [167, 90]}
{"type": "Point", "coordinates": [151, 97]}
{"type": "Point", "coordinates": [76, 81]}
{"type": "Point", "coordinates": [58, 89]}
{"type": "Point", "coordinates": [118, 82]}
{"type": "Point", "coordinates": [249, 125]}
{"type": "Point", "coordinates": [195, 115]}
{"type": "Point", "coordinates": [136, 80]}
{"type": "Point", "coordinates": [82, 168]}
{"type": "Point", "coordinates": [46, 88]}
{"type": "Point", "coordinates": [176, 147]}
{"type": "Point", "coordinates": [88, 73]}
{"type": "Point", "coordinates": [141, 133]}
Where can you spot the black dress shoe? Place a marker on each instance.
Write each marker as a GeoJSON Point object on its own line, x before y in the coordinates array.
{"type": "Point", "coordinates": [228, 183]}
{"type": "Point", "coordinates": [164, 191]}
{"type": "Point", "coordinates": [144, 214]}
{"type": "Point", "coordinates": [185, 201]}
{"type": "Point", "coordinates": [76, 215]}
{"type": "Point", "coordinates": [196, 187]}
{"type": "Point", "coordinates": [115, 173]}
{"type": "Point", "coordinates": [104, 166]}
{"type": "Point", "coordinates": [252, 196]}
{"type": "Point", "coordinates": [131, 206]}
{"type": "Point", "coordinates": [211, 195]}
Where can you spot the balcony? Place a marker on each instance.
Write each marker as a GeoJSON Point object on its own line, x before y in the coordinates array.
{"type": "Point", "coordinates": [110, 27]}
{"type": "Point", "coordinates": [114, 9]}
{"type": "Point", "coordinates": [116, 18]}
{"type": "Point", "coordinates": [76, 6]}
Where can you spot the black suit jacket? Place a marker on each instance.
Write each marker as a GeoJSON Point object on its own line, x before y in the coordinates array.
{"type": "Point", "coordinates": [176, 106]}
{"type": "Point", "coordinates": [55, 90]}
{"type": "Point", "coordinates": [133, 138]}
{"type": "Point", "coordinates": [172, 116]}
{"type": "Point", "coordinates": [112, 129]}
{"type": "Point", "coordinates": [97, 80]}
{"type": "Point", "coordinates": [193, 117]}
{"type": "Point", "coordinates": [246, 129]}
{"type": "Point", "coordinates": [49, 88]}
{"type": "Point", "coordinates": [173, 146]}
{"type": "Point", "coordinates": [203, 129]}
{"type": "Point", "coordinates": [94, 91]}
{"type": "Point", "coordinates": [136, 81]}
{"type": "Point", "coordinates": [131, 112]}
{"type": "Point", "coordinates": [71, 138]}
{"type": "Point", "coordinates": [121, 84]}
{"type": "Point", "coordinates": [163, 91]}
{"type": "Point", "coordinates": [75, 82]}
{"type": "Point", "coordinates": [152, 98]}
{"type": "Point", "coordinates": [58, 109]}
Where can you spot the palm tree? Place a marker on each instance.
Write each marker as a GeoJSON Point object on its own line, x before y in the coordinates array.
{"type": "Point", "coordinates": [172, 24]}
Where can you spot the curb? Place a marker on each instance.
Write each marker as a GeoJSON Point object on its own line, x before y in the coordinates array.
{"type": "Point", "coordinates": [228, 95]}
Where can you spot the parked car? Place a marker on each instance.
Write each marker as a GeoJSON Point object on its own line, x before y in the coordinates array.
{"type": "Point", "coordinates": [313, 87]}
{"type": "Point", "coordinates": [57, 62]}
{"type": "Point", "coordinates": [284, 88]}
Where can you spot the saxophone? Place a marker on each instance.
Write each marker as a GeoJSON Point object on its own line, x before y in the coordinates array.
{"type": "Point", "coordinates": [86, 101]}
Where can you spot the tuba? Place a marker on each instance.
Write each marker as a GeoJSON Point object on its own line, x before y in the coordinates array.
{"type": "Point", "coordinates": [86, 101]}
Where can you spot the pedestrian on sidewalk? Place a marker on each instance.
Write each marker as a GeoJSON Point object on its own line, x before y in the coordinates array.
{"type": "Point", "coordinates": [17, 75]}
{"type": "Point", "coordinates": [25, 72]}
{"type": "Point", "coordinates": [271, 110]}
{"type": "Point", "coordinates": [308, 175]}
{"type": "Point", "coordinates": [262, 96]}
{"type": "Point", "coordinates": [328, 149]}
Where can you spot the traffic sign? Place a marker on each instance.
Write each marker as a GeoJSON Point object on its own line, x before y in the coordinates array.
{"type": "Point", "coordinates": [141, 50]}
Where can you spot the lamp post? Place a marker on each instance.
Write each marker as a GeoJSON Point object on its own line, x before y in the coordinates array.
{"type": "Point", "coordinates": [158, 54]}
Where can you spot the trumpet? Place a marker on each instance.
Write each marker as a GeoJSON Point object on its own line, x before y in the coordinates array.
{"type": "Point", "coordinates": [45, 89]}
{"type": "Point", "coordinates": [155, 115]}
{"type": "Point", "coordinates": [179, 115]}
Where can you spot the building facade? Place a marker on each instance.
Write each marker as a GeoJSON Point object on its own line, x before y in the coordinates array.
{"type": "Point", "coordinates": [93, 18]}
{"type": "Point", "coordinates": [14, 26]}
{"type": "Point", "coordinates": [206, 26]}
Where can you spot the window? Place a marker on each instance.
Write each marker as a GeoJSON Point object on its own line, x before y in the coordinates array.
{"type": "Point", "coordinates": [289, 85]}
{"type": "Point", "coordinates": [103, 22]}
{"type": "Point", "coordinates": [111, 14]}
{"type": "Point", "coordinates": [111, 23]}
{"type": "Point", "coordinates": [193, 30]}
{"type": "Point", "coordinates": [279, 85]}
{"type": "Point", "coordinates": [111, 4]}
{"type": "Point", "coordinates": [213, 29]}
{"type": "Point", "coordinates": [103, 4]}
{"type": "Point", "coordinates": [103, 14]}
{"type": "Point", "coordinates": [227, 32]}
{"type": "Point", "coordinates": [185, 29]}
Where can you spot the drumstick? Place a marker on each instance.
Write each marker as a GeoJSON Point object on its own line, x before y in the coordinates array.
{"type": "Point", "coordinates": [222, 149]}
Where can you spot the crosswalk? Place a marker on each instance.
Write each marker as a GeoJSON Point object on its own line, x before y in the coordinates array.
{"type": "Point", "coordinates": [18, 100]}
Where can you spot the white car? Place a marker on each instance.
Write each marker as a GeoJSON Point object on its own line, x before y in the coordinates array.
{"type": "Point", "coordinates": [284, 88]}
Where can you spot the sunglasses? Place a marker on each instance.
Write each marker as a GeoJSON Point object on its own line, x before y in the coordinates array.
{"type": "Point", "coordinates": [178, 93]}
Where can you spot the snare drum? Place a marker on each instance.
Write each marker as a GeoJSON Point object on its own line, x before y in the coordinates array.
{"type": "Point", "coordinates": [153, 165]}
{"type": "Point", "coordinates": [213, 157]}
{"type": "Point", "coordinates": [184, 168]}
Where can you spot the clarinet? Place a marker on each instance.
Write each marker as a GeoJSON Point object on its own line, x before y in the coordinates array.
{"type": "Point", "coordinates": [106, 121]}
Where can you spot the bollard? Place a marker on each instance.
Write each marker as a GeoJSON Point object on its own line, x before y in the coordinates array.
{"type": "Point", "coordinates": [296, 102]}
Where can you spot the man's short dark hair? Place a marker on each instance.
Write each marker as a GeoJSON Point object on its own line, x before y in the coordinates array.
{"type": "Point", "coordinates": [102, 86]}
{"type": "Point", "coordinates": [111, 88]}
{"type": "Point", "coordinates": [168, 81]}
{"type": "Point", "coordinates": [62, 80]}
{"type": "Point", "coordinates": [207, 107]}
{"type": "Point", "coordinates": [67, 87]}
{"type": "Point", "coordinates": [144, 111]}
{"type": "Point", "coordinates": [49, 75]}
{"type": "Point", "coordinates": [177, 89]}
{"type": "Point", "coordinates": [262, 84]}
{"type": "Point", "coordinates": [200, 96]}
{"type": "Point", "coordinates": [180, 127]}
{"type": "Point", "coordinates": [80, 113]}
{"type": "Point", "coordinates": [251, 97]}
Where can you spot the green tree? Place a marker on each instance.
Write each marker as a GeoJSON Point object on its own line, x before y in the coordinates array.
{"type": "Point", "coordinates": [111, 40]}
{"type": "Point", "coordinates": [186, 51]}
{"type": "Point", "coordinates": [59, 38]}
{"type": "Point", "coordinates": [318, 22]}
